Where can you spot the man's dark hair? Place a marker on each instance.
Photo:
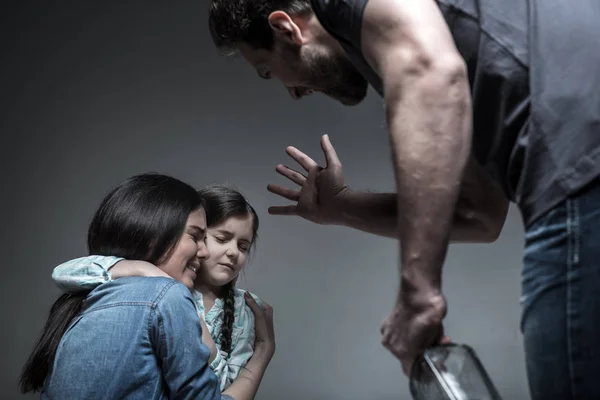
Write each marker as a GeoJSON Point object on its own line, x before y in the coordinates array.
{"type": "Point", "coordinates": [232, 22]}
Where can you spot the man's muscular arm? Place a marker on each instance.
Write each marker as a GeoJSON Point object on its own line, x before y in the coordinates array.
{"type": "Point", "coordinates": [478, 218]}
{"type": "Point", "coordinates": [429, 118]}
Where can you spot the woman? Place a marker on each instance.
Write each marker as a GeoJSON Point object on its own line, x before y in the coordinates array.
{"type": "Point", "coordinates": [140, 337]}
{"type": "Point", "coordinates": [232, 233]}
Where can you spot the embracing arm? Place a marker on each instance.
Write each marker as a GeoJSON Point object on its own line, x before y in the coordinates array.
{"type": "Point", "coordinates": [85, 273]}
{"type": "Point", "coordinates": [478, 217]}
{"type": "Point", "coordinates": [428, 108]}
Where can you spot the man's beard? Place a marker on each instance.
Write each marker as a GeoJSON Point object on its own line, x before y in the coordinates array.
{"type": "Point", "coordinates": [336, 77]}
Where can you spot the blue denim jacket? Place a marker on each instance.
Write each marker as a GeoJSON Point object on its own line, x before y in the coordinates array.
{"type": "Point", "coordinates": [91, 271]}
{"type": "Point", "coordinates": [138, 338]}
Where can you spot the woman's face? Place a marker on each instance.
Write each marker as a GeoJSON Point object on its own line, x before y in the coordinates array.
{"type": "Point", "coordinates": [228, 243]}
{"type": "Point", "coordinates": [190, 251]}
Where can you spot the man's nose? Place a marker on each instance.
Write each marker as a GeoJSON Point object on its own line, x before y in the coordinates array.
{"type": "Point", "coordinates": [294, 93]}
{"type": "Point", "coordinates": [297, 93]}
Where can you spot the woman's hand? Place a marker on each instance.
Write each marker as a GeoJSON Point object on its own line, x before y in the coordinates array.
{"type": "Point", "coordinates": [264, 342]}
{"type": "Point", "coordinates": [125, 268]}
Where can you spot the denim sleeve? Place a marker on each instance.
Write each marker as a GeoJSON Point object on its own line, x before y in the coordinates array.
{"type": "Point", "coordinates": [84, 273]}
{"type": "Point", "coordinates": [181, 353]}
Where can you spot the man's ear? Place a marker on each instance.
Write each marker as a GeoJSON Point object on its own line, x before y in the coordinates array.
{"type": "Point", "coordinates": [285, 28]}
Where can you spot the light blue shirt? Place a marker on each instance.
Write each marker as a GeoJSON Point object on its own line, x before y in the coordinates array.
{"type": "Point", "coordinates": [92, 271]}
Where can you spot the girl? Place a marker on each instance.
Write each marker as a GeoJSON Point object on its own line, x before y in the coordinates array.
{"type": "Point", "coordinates": [137, 337]}
{"type": "Point", "coordinates": [232, 233]}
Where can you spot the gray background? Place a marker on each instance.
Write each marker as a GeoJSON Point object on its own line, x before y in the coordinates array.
{"type": "Point", "coordinates": [93, 93]}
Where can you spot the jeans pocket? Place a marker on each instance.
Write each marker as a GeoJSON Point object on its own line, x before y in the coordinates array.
{"type": "Point", "coordinates": [545, 256]}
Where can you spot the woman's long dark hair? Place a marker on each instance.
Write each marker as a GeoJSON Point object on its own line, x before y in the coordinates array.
{"type": "Point", "coordinates": [140, 219]}
{"type": "Point", "coordinates": [220, 203]}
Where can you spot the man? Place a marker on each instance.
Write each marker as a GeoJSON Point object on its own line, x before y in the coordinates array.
{"type": "Point", "coordinates": [486, 101]}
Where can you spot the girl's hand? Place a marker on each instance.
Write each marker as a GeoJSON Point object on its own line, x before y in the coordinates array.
{"type": "Point", "coordinates": [264, 341]}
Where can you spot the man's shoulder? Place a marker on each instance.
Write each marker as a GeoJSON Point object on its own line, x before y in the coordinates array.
{"type": "Point", "coordinates": [341, 18]}
{"type": "Point", "coordinates": [329, 7]}
{"type": "Point", "coordinates": [138, 290]}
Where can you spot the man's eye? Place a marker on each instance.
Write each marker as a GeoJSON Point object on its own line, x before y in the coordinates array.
{"type": "Point", "coordinates": [265, 74]}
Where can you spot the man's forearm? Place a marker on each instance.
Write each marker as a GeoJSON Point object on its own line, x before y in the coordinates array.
{"type": "Point", "coordinates": [374, 213]}
{"type": "Point", "coordinates": [429, 118]}
{"type": "Point", "coordinates": [377, 213]}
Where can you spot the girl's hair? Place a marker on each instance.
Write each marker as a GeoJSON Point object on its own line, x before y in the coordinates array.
{"type": "Point", "coordinates": [222, 202]}
{"type": "Point", "coordinates": [142, 218]}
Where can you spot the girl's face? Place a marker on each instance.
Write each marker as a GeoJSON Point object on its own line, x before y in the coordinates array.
{"type": "Point", "coordinates": [228, 244]}
{"type": "Point", "coordinates": [189, 252]}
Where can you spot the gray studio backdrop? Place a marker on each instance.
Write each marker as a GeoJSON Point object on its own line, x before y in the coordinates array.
{"type": "Point", "coordinates": [93, 93]}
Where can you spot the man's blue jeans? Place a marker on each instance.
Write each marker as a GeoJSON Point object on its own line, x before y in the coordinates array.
{"type": "Point", "coordinates": [561, 302]}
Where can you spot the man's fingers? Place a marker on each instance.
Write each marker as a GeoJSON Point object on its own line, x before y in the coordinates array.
{"type": "Point", "coordinates": [330, 154]}
{"type": "Point", "coordinates": [407, 366]}
{"type": "Point", "coordinates": [293, 195]}
{"type": "Point", "coordinates": [396, 344]}
{"type": "Point", "coordinates": [283, 210]}
{"type": "Point", "coordinates": [291, 174]}
{"type": "Point", "coordinates": [309, 194]}
{"type": "Point", "coordinates": [301, 158]}
{"type": "Point", "coordinates": [390, 343]}
{"type": "Point", "coordinates": [311, 179]}
{"type": "Point", "coordinates": [436, 337]}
